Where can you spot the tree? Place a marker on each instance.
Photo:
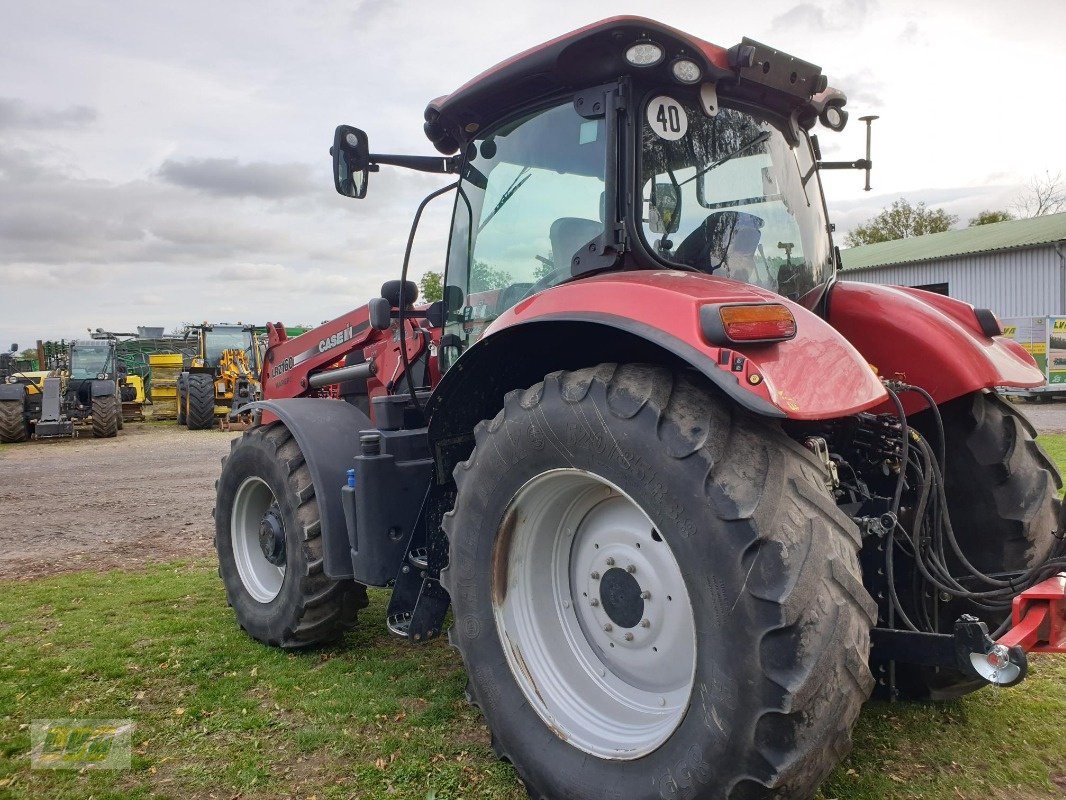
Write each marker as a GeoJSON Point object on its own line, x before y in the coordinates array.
{"type": "Point", "coordinates": [1042, 196]}
{"type": "Point", "coordinates": [431, 286]}
{"type": "Point", "coordinates": [989, 217]}
{"type": "Point", "coordinates": [901, 221]}
{"type": "Point", "coordinates": [484, 278]}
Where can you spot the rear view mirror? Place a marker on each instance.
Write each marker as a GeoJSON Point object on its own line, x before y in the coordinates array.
{"type": "Point", "coordinates": [14, 348]}
{"type": "Point", "coordinates": [351, 161]}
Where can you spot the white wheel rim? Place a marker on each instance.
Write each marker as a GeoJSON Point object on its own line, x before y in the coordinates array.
{"type": "Point", "coordinates": [261, 578]}
{"type": "Point", "coordinates": [608, 671]}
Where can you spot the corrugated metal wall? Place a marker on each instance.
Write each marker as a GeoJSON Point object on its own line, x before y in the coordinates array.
{"type": "Point", "coordinates": [1014, 283]}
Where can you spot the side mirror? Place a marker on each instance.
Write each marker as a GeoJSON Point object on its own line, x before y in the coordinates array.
{"type": "Point", "coordinates": [14, 348]}
{"type": "Point", "coordinates": [665, 208]}
{"type": "Point", "coordinates": [351, 161]}
{"type": "Point", "coordinates": [380, 311]}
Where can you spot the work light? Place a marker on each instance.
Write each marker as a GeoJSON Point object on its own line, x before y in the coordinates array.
{"type": "Point", "coordinates": [686, 71]}
{"type": "Point", "coordinates": [644, 54]}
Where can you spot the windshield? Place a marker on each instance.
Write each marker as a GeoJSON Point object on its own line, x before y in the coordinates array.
{"type": "Point", "coordinates": [535, 190]}
{"type": "Point", "coordinates": [725, 195]}
{"type": "Point", "coordinates": [88, 361]}
{"type": "Point", "coordinates": [219, 339]}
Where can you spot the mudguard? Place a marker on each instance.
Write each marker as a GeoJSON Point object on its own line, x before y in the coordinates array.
{"type": "Point", "coordinates": [816, 375]}
{"type": "Point", "coordinates": [327, 432]}
{"type": "Point", "coordinates": [103, 388]}
{"type": "Point", "coordinates": [927, 340]}
{"type": "Point", "coordinates": [12, 391]}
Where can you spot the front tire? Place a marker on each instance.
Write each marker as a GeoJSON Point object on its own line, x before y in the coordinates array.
{"type": "Point", "coordinates": [268, 536]}
{"type": "Point", "coordinates": [752, 667]}
{"type": "Point", "coordinates": [13, 427]}
{"type": "Point", "coordinates": [200, 392]}
{"type": "Point", "coordinates": [106, 413]}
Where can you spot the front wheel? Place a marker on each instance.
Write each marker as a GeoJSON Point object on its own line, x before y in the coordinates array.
{"type": "Point", "coordinates": [13, 427]}
{"type": "Point", "coordinates": [654, 595]}
{"type": "Point", "coordinates": [268, 536]}
{"type": "Point", "coordinates": [106, 414]}
{"type": "Point", "coordinates": [200, 401]}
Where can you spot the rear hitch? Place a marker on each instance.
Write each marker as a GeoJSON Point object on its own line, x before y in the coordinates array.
{"type": "Point", "coordinates": [977, 654]}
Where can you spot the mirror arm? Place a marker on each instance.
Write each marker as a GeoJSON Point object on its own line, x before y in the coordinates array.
{"type": "Point", "coordinates": [435, 164]}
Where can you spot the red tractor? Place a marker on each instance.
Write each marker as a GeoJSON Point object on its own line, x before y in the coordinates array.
{"type": "Point", "coordinates": [690, 498]}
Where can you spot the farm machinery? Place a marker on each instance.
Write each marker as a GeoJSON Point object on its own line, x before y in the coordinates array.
{"type": "Point", "coordinates": [221, 378]}
{"type": "Point", "coordinates": [85, 386]}
{"type": "Point", "coordinates": [689, 498]}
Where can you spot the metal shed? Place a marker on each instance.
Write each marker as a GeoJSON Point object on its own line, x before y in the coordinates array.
{"type": "Point", "coordinates": [1016, 268]}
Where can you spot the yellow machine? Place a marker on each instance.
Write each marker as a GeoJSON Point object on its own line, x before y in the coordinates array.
{"type": "Point", "coordinates": [133, 398]}
{"type": "Point", "coordinates": [222, 378]}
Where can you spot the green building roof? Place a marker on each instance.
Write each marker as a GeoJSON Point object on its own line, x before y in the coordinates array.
{"type": "Point", "coordinates": [1008, 235]}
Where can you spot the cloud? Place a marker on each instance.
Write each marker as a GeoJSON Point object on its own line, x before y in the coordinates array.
{"type": "Point", "coordinates": [16, 113]}
{"type": "Point", "coordinates": [912, 34]}
{"type": "Point", "coordinates": [227, 177]}
{"type": "Point", "coordinates": [844, 16]}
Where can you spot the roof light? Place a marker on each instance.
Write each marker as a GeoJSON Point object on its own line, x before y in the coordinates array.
{"type": "Point", "coordinates": [645, 54]}
{"type": "Point", "coordinates": [752, 323]}
{"type": "Point", "coordinates": [834, 117]}
{"type": "Point", "coordinates": [686, 71]}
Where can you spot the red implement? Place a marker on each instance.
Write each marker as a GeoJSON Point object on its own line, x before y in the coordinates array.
{"type": "Point", "coordinates": [1039, 618]}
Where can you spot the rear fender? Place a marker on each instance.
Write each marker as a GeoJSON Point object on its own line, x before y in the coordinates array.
{"type": "Point", "coordinates": [327, 432]}
{"type": "Point", "coordinates": [927, 340]}
{"type": "Point", "coordinates": [648, 316]}
{"type": "Point", "coordinates": [12, 391]}
{"type": "Point", "coordinates": [103, 388]}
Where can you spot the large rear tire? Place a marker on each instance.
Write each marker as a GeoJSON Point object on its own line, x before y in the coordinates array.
{"type": "Point", "coordinates": [268, 537]}
{"type": "Point", "coordinates": [13, 427]}
{"type": "Point", "coordinates": [200, 410]}
{"type": "Point", "coordinates": [1002, 493]}
{"type": "Point", "coordinates": [106, 413]}
{"type": "Point", "coordinates": [654, 595]}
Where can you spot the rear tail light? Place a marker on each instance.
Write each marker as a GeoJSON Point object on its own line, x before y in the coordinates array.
{"type": "Point", "coordinates": [762, 322]}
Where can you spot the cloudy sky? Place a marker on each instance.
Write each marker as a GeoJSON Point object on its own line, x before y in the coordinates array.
{"type": "Point", "coordinates": [167, 162]}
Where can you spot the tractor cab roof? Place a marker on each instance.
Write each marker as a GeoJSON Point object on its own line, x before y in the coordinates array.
{"type": "Point", "coordinates": [596, 54]}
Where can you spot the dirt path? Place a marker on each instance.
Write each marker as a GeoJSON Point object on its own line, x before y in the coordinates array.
{"type": "Point", "coordinates": [143, 497]}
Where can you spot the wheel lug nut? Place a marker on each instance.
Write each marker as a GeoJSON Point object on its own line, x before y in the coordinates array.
{"type": "Point", "coordinates": [645, 623]}
{"type": "Point", "coordinates": [645, 595]}
{"type": "Point", "coordinates": [594, 602]}
{"type": "Point", "coordinates": [631, 569]}
{"type": "Point", "coordinates": [595, 576]}
{"type": "Point", "coordinates": [608, 627]}
{"type": "Point", "coordinates": [629, 636]}
{"type": "Point", "coordinates": [610, 561]}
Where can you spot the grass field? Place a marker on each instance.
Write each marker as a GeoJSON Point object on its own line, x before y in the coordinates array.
{"type": "Point", "coordinates": [219, 716]}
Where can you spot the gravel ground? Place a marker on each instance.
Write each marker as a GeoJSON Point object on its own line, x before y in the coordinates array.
{"type": "Point", "coordinates": [1046, 417]}
{"type": "Point", "coordinates": [143, 497]}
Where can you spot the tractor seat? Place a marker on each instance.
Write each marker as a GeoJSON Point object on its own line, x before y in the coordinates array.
{"type": "Point", "coordinates": [724, 239]}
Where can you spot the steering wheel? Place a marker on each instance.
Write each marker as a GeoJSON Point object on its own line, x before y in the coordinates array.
{"type": "Point", "coordinates": [547, 280]}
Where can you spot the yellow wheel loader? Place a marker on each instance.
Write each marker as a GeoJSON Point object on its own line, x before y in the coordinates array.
{"type": "Point", "coordinates": [222, 378]}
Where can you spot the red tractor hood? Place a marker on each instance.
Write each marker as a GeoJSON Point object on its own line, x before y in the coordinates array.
{"type": "Point", "coordinates": [816, 375]}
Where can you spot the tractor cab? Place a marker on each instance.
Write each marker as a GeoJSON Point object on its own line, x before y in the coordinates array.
{"type": "Point", "coordinates": [626, 145]}
{"type": "Point", "coordinates": [92, 360]}
{"type": "Point", "coordinates": [215, 340]}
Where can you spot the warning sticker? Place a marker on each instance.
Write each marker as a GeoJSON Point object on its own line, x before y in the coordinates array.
{"type": "Point", "coordinates": [667, 118]}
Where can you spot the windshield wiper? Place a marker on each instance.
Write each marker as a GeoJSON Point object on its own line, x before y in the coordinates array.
{"type": "Point", "coordinates": [762, 137]}
{"type": "Point", "coordinates": [516, 184]}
